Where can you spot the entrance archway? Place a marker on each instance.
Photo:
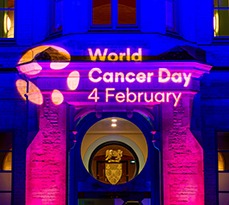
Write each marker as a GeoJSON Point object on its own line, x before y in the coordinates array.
{"type": "Point", "coordinates": [115, 142]}
{"type": "Point", "coordinates": [99, 144]}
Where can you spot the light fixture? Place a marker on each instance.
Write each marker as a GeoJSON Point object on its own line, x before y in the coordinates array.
{"type": "Point", "coordinates": [113, 125]}
{"type": "Point", "coordinates": [7, 23]}
{"type": "Point", "coordinates": [216, 23]}
{"type": "Point", "coordinates": [113, 120]}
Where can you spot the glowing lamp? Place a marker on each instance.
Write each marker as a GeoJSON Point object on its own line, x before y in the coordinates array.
{"type": "Point", "coordinates": [73, 80]}
{"type": "Point", "coordinates": [57, 97]}
{"type": "Point", "coordinates": [113, 125]}
{"type": "Point", "coordinates": [8, 23]}
{"type": "Point", "coordinates": [216, 23]}
{"type": "Point", "coordinates": [7, 162]}
{"type": "Point", "coordinates": [113, 120]}
{"type": "Point", "coordinates": [34, 94]}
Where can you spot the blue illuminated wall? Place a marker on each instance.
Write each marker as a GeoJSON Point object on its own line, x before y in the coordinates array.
{"type": "Point", "coordinates": [194, 40]}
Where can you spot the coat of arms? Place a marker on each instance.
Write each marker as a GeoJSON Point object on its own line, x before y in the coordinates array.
{"type": "Point", "coordinates": [113, 169]}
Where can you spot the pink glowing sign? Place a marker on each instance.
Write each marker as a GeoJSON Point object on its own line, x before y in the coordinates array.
{"type": "Point", "coordinates": [162, 75]}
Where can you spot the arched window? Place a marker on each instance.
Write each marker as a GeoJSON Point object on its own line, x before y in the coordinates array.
{"type": "Point", "coordinates": [114, 13]}
{"type": "Point", "coordinates": [114, 151]}
{"type": "Point", "coordinates": [7, 19]}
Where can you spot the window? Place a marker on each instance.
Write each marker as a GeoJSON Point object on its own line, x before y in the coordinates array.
{"type": "Point", "coordinates": [221, 17]}
{"type": "Point", "coordinates": [7, 19]}
{"type": "Point", "coordinates": [5, 168]}
{"type": "Point", "coordinates": [114, 13]}
{"type": "Point", "coordinates": [57, 16]}
{"type": "Point", "coordinates": [223, 167]}
{"type": "Point", "coordinates": [170, 15]}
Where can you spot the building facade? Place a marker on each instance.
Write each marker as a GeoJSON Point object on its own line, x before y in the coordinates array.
{"type": "Point", "coordinates": [114, 102]}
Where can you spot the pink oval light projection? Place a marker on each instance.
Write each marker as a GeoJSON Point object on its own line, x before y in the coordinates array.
{"type": "Point", "coordinates": [62, 60]}
{"type": "Point", "coordinates": [57, 97]}
{"type": "Point", "coordinates": [73, 80]}
{"type": "Point", "coordinates": [34, 93]}
{"type": "Point", "coordinates": [58, 65]}
{"type": "Point", "coordinates": [27, 59]}
{"type": "Point", "coordinates": [30, 68]}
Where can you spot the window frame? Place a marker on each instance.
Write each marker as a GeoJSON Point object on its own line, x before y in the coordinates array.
{"type": "Point", "coordinates": [114, 19]}
{"type": "Point", "coordinates": [226, 171]}
{"type": "Point", "coordinates": [216, 18]}
{"type": "Point", "coordinates": [2, 9]}
{"type": "Point", "coordinates": [6, 151]}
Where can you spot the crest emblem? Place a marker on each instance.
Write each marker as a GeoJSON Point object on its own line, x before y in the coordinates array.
{"type": "Point", "coordinates": [113, 169]}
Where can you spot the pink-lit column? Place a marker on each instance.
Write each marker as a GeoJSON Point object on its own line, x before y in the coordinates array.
{"type": "Point", "coordinates": [46, 158]}
{"type": "Point", "coordinates": [183, 176]}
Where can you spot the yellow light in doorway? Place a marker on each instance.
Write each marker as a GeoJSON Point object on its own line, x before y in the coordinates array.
{"type": "Point", "coordinates": [113, 125]}
{"type": "Point", "coordinates": [113, 122]}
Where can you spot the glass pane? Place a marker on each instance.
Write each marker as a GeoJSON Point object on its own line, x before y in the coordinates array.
{"type": "Point", "coordinates": [6, 24]}
{"type": "Point", "coordinates": [5, 198]}
{"type": "Point", "coordinates": [223, 23]}
{"type": "Point", "coordinates": [5, 151]}
{"type": "Point", "coordinates": [7, 161]}
{"type": "Point", "coordinates": [5, 179]}
{"type": "Point", "coordinates": [126, 12]}
{"type": "Point", "coordinates": [223, 139]}
{"type": "Point", "coordinates": [216, 3]}
{"type": "Point", "coordinates": [225, 160]}
{"type": "Point", "coordinates": [7, 4]}
{"type": "Point", "coordinates": [5, 141]}
{"type": "Point", "coordinates": [223, 181]}
{"type": "Point", "coordinates": [101, 12]}
{"type": "Point", "coordinates": [221, 162]}
{"type": "Point", "coordinates": [223, 3]}
{"type": "Point", "coordinates": [223, 198]}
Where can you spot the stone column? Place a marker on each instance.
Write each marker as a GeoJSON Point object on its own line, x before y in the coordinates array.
{"type": "Point", "coordinates": [46, 158]}
{"type": "Point", "coordinates": [183, 176]}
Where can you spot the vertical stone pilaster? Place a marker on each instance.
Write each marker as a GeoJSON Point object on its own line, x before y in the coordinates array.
{"type": "Point", "coordinates": [183, 176]}
{"type": "Point", "coordinates": [46, 158]}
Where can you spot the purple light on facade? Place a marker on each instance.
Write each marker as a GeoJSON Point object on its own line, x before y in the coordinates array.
{"type": "Point", "coordinates": [46, 158]}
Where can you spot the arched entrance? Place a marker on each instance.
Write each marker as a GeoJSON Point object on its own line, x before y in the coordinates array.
{"type": "Point", "coordinates": [114, 162]}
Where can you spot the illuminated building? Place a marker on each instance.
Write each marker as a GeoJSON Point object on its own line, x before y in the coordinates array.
{"type": "Point", "coordinates": [114, 102]}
